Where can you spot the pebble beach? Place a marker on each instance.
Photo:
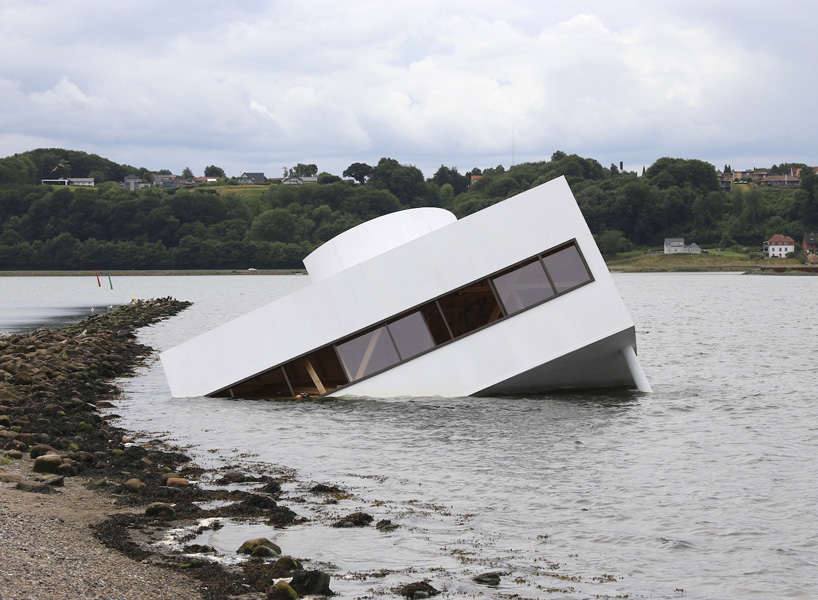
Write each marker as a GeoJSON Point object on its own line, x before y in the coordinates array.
{"type": "Point", "coordinates": [79, 499]}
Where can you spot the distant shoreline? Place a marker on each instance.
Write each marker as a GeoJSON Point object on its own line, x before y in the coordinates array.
{"type": "Point", "coordinates": [778, 269]}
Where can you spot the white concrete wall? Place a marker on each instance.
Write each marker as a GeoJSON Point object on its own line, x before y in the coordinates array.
{"type": "Point", "coordinates": [407, 276]}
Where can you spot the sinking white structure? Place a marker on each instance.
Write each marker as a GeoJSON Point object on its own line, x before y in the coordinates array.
{"type": "Point", "coordinates": [513, 299]}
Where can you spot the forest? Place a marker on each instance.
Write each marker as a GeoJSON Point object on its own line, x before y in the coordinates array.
{"type": "Point", "coordinates": [230, 226]}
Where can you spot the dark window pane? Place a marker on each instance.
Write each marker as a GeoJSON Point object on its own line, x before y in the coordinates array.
{"type": "Point", "coordinates": [411, 336]}
{"type": "Point", "coordinates": [316, 373]}
{"type": "Point", "coordinates": [437, 326]}
{"type": "Point", "coordinates": [566, 268]}
{"type": "Point", "coordinates": [470, 307]}
{"type": "Point", "coordinates": [523, 287]}
{"type": "Point", "coordinates": [368, 353]}
{"type": "Point", "coordinates": [271, 384]}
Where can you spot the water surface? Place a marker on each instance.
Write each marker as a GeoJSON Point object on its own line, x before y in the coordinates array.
{"type": "Point", "coordinates": [706, 486]}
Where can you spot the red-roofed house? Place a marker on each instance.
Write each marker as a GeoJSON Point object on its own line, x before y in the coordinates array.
{"type": "Point", "coordinates": [780, 245]}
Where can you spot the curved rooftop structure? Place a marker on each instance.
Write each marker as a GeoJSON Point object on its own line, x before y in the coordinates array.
{"type": "Point", "coordinates": [513, 299]}
{"type": "Point", "coordinates": [374, 237]}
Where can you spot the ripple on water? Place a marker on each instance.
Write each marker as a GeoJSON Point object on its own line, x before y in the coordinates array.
{"type": "Point", "coordinates": [704, 486]}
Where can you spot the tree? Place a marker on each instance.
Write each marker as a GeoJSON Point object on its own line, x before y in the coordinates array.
{"type": "Point", "coordinates": [276, 225]}
{"type": "Point", "coordinates": [328, 179]}
{"type": "Point", "coordinates": [214, 171]}
{"type": "Point", "coordinates": [445, 175]}
{"type": "Point", "coordinates": [680, 172]}
{"type": "Point", "coordinates": [302, 170]}
{"type": "Point", "coordinates": [446, 196]}
{"type": "Point", "coordinates": [404, 181]}
{"type": "Point", "coordinates": [358, 171]}
{"type": "Point", "coordinates": [187, 173]}
{"type": "Point", "coordinates": [613, 242]}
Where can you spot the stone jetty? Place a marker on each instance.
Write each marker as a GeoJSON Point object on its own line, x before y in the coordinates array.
{"type": "Point", "coordinates": [57, 447]}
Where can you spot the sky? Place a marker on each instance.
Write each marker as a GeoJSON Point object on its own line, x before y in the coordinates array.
{"type": "Point", "coordinates": [258, 86]}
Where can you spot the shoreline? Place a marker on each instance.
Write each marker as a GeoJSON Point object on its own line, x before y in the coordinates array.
{"type": "Point", "coordinates": [77, 490]}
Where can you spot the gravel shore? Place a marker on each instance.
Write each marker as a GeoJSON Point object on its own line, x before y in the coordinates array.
{"type": "Point", "coordinates": [80, 501]}
{"type": "Point", "coordinates": [50, 552]}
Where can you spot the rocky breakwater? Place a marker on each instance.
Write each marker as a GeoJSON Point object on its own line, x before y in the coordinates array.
{"type": "Point", "coordinates": [52, 385]}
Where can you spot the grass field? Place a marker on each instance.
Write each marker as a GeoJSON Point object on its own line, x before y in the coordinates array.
{"type": "Point", "coordinates": [713, 261]}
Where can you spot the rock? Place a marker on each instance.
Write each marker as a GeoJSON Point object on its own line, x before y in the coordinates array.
{"type": "Point", "coordinates": [385, 525]}
{"type": "Point", "coordinates": [255, 502]}
{"type": "Point", "coordinates": [271, 487]}
{"type": "Point", "coordinates": [83, 457]}
{"type": "Point", "coordinates": [135, 486]}
{"type": "Point", "coordinates": [5, 421]}
{"type": "Point", "coordinates": [325, 489]}
{"type": "Point", "coordinates": [47, 463]}
{"type": "Point", "coordinates": [281, 591]}
{"type": "Point", "coordinates": [40, 450]}
{"type": "Point", "coordinates": [264, 552]}
{"type": "Point", "coordinates": [232, 477]}
{"type": "Point", "coordinates": [311, 583]}
{"type": "Point", "coordinates": [249, 547]}
{"type": "Point", "coordinates": [492, 579]}
{"type": "Point", "coordinates": [10, 478]}
{"type": "Point", "coordinates": [177, 482]}
{"type": "Point", "coordinates": [286, 563]}
{"type": "Point", "coordinates": [199, 549]}
{"type": "Point", "coordinates": [160, 510]}
{"type": "Point", "coordinates": [27, 438]}
{"type": "Point", "coordinates": [35, 487]}
{"type": "Point", "coordinates": [56, 481]}
{"type": "Point", "coordinates": [419, 589]}
{"type": "Point", "coordinates": [163, 478]}
{"type": "Point", "coordinates": [358, 519]}
{"type": "Point", "coordinates": [14, 454]}
{"type": "Point", "coordinates": [66, 470]}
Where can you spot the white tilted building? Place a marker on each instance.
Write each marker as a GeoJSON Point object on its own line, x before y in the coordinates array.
{"type": "Point", "coordinates": [513, 299]}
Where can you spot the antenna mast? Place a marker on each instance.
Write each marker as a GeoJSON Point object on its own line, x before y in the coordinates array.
{"type": "Point", "coordinates": [512, 144]}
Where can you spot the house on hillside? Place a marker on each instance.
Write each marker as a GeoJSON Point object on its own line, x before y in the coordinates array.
{"type": "Point", "coordinates": [678, 246]}
{"type": "Point", "coordinates": [299, 180]}
{"type": "Point", "coordinates": [134, 182]}
{"type": "Point", "coordinates": [164, 181]}
{"type": "Point", "coordinates": [810, 243]}
{"type": "Point", "coordinates": [780, 245]}
{"type": "Point", "coordinates": [252, 178]}
{"type": "Point", "coordinates": [780, 181]}
{"type": "Point", "coordinates": [725, 181]}
{"type": "Point", "coordinates": [86, 181]}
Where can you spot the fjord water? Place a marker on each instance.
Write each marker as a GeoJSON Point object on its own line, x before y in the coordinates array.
{"type": "Point", "coordinates": [705, 488]}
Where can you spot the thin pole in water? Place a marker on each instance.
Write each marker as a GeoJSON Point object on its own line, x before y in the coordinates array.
{"type": "Point", "coordinates": [111, 283]}
{"type": "Point", "coordinates": [99, 283]}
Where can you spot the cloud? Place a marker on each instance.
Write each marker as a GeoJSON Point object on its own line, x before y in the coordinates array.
{"type": "Point", "coordinates": [257, 85]}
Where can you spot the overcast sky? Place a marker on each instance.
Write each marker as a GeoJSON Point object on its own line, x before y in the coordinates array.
{"type": "Point", "coordinates": [251, 85]}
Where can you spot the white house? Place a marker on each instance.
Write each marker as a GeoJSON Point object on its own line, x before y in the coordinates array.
{"type": "Point", "coordinates": [780, 245]}
{"type": "Point", "coordinates": [513, 299]}
{"type": "Point", "coordinates": [677, 246]}
{"type": "Point", "coordinates": [86, 181]}
{"type": "Point", "coordinates": [299, 180]}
